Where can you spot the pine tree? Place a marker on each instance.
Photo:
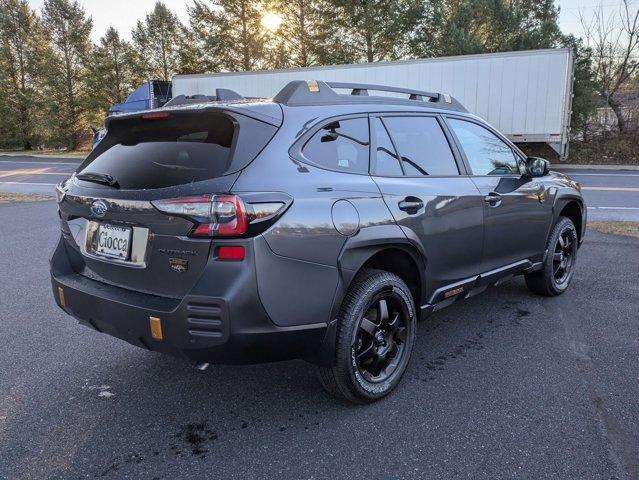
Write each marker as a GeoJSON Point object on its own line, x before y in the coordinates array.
{"type": "Point", "coordinates": [204, 28]}
{"type": "Point", "coordinates": [460, 27]}
{"type": "Point", "coordinates": [472, 26]}
{"type": "Point", "coordinates": [297, 42]}
{"type": "Point", "coordinates": [112, 72]}
{"type": "Point", "coordinates": [69, 30]}
{"type": "Point", "coordinates": [23, 45]}
{"type": "Point", "coordinates": [536, 25]}
{"type": "Point", "coordinates": [424, 41]}
{"type": "Point", "coordinates": [163, 40]}
{"type": "Point", "coordinates": [231, 37]}
{"type": "Point", "coordinates": [584, 87]}
{"type": "Point", "coordinates": [373, 30]}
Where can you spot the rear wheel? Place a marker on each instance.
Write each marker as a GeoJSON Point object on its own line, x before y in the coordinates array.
{"type": "Point", "coordinates": [558, 269]}
{"type": "Point", "coordinates": [375, 336]}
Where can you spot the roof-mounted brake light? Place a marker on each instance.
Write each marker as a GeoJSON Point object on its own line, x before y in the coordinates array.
{"type": "Point", "coordinates": [156, 115]}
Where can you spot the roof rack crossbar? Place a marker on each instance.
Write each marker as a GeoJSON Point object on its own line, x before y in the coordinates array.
{"type": "Point", "coordinates": [414, 94]}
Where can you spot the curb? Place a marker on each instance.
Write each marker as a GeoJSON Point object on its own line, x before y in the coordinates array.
{"type": "Point", "coordinates": [560, 166]}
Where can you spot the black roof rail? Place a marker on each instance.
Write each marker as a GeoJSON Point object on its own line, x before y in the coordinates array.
{"type": "Point", "coordinates": [225, 95]}
{"type": "Point", "coordinates": [221, 95]}
{"type": "Point", "coordinates": [359, 87]}
{"type": "Point", "coordinates": [314, 92]}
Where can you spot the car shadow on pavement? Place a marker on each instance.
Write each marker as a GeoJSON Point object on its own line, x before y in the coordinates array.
{"type": "Point", "coordinates": [190, 413]}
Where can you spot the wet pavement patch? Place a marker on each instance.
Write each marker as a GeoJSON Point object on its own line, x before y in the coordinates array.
{"type": "Point", "coordinates": [196, 436]}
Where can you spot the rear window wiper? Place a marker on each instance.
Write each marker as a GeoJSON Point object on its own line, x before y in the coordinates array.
{"type": "Point", "coordinates": [101, 178]}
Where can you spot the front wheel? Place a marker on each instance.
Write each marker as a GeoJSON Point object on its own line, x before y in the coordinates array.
{"type": "Point", "coordinates": [375, 336]}
{"type": "Point", "coordinates": [559, 264]}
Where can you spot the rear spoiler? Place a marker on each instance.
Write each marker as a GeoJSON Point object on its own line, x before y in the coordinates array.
{"type": "Point", "coordinates": [266, 112]}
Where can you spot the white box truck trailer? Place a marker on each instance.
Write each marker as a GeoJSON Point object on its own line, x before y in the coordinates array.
{"type": "Point", "coordinates": [527, 95]}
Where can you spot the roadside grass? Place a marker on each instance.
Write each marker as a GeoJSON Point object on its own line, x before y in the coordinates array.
{"type": "Point", "coordinates": [615, 149]}
{"type": "Point", "coordinates": [10, 197]}
{"type": "Point", "coordinates": [630, 229]}
{"type": "Point", "coordinates": [46, 152]}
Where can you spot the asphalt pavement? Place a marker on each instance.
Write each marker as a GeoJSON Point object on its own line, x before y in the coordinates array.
{"type": "Point", "coordinates": [503, 385]}
{"type": "Point", "coordinates": [610, 194]}
{"type": "Point", "coordinates": [31, 174]}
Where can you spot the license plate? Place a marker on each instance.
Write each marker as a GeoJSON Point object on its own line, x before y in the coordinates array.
{"type": "Point", "coordinates": [114, 241]}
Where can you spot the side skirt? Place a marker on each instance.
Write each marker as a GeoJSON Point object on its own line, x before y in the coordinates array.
{"type": "Point", "coordinates": [469, 287]}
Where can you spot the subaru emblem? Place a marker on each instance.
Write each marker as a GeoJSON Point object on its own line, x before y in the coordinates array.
{"type": "Point", "coordinates": [99, 208]}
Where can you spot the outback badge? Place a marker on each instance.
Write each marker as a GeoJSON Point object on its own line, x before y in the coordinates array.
{"type": "Point", "coordinates": [179, 264]}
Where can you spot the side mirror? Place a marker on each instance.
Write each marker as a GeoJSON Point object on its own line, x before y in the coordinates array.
{"type": "Point", "coordinates": [537, 167]}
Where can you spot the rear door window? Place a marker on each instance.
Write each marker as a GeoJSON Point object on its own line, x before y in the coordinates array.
{"type": "Point", "coordinates": [385, 159]}
{"type": "Point", "coordinates": [340, 145]}
{"type": "Point", "coordinates": [422, 146]}
{"type": "Point", "coordinates": [182, 148]}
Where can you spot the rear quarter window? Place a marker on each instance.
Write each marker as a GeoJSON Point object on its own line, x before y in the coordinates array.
{"type": "Point", "coordinates": [340, 145]}
{"type": "Point", "coordinates": [183, 148]}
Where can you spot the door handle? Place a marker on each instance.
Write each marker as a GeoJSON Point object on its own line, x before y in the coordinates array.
{"type": "Point", "coordinates": [493, 199]}
{"type": "Point", "coordinates": [411, 205]}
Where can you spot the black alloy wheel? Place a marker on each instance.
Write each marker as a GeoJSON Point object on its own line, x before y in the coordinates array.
{"type": "Point", "coordinates": [380, 341]}
{"type": "Point", "coordinates": [563, 257]}
{"type": "Point", "coordinates": [375, 336]}
{"type": "Point", "coordinates": [559, 263]}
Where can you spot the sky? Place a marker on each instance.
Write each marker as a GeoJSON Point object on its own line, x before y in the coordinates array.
{"type": "Point", "coordinates": [123, 14]}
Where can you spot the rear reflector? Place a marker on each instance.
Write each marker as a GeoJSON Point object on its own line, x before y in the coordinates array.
{"type": "Point", "coordinates": [63, 301]}
{"type": "Point", "coordinates": [230, 252]}
{"type": "Point", "coordinates": [156, 328]}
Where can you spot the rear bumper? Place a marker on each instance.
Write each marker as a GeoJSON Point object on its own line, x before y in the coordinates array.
{"type": "Point", "coordinates": [232, 328]}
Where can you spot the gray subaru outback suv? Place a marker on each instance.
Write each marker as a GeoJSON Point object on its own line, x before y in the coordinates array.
{"type": "Point", "coordinates": [317, 225]}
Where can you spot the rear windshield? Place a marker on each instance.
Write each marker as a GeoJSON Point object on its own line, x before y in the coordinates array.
{"type": "Point", "coordinates": [183, 148]}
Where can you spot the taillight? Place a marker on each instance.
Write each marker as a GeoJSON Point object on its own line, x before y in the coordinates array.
{"type": "Point", "coordinates": [215, 215]}
{"type": "Point", "coordinates": [227, 218]}
{"type": "Point", "coordinates": [222, 215]}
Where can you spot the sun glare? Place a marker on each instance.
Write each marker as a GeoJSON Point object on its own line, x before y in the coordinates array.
{"type": "Point", "coordinates": [271, 21]}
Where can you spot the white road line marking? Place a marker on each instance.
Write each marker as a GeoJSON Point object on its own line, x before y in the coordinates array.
{"type": "Point", "coordinates": [30, 162]}
{"type": "Point", "coordinates": [28, 183]}
{"type": "Point", "coordinates": [612, 189]}
{"type": "Point", "coordinates": [613, 208]}
{"type": "Point", "coordinates": [12, 173]}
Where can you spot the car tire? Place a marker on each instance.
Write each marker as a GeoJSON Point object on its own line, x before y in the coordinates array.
{"type": "Point", "coordinates": [375, 336]}
{"type": "Point", "coordinates": [559, 263]}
